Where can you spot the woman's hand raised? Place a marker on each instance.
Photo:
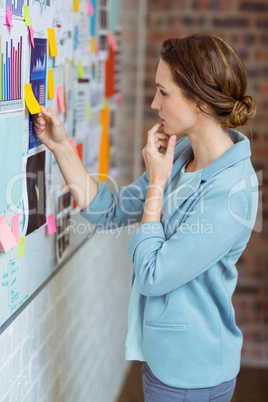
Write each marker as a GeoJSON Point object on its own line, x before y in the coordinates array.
{"type": "Point", "coordinates": [49, 128]}
{"type": "Point", "coordinates": [159, 166]}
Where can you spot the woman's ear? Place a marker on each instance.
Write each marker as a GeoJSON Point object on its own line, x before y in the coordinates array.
{"type": "Point", "coordinates": [201, 105]}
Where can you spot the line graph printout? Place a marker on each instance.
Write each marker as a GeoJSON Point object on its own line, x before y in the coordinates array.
{"type": "Point", "coordinates": [38, 80]}
{"type": "Point", "coordinates": [12, 47]}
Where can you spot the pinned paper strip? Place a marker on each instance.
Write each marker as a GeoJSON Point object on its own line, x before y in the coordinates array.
{"type": "Point", "coordinates": [76, 5]}
{"type": "Point", "coordinates": [9, 16]}
{"type": "Point", "coordinates": [92, 45]}
{"type": "Point", "coordinates": [7, 238]}
{"type": "Point", "coordinates": [21, 247]}
{"type": "Point", "coordinates": [51, 224]}
{"type": "Point", "coordinates": [60, 100]}
{"type": "Point", "coordinates": [90, 9]}
{"type": "Point", "coordinates": [52, 42]}
{"type": "Point", "coordinates": [30, 99]}
{"type": "Point", "coordinates": [80, 70]}
{"type": "Point", "coordinates": [15, 227]}
{"type": "Point", "coordinates": [32, 35]}
{"type": "Point", "coordinates": [26, 16]}
{"type": "Point", "coordinates": [111, 40]}
{"type": "Point", "coordinates": [50, 79]}
{"type": "Point", "coordinates": [89, 113]}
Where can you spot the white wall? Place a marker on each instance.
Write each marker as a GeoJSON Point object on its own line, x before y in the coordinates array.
{"type": "Point", "coordinates": [68, 344]}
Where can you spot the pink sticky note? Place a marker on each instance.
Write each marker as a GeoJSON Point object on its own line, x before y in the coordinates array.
{"type": "Point", "coordinates": [9, 16]}
{"type": "Point", "coordinates": [111, 40]}
{"type": "Point", "coordinates": [60, 99]}
{"type": "Point", "coordinates": [72, 142]}
{"type": "Point", "coordinates": [31, 35]}
{"type": "Point", "coordinates": [15, 227]}
{"type": "Point", "coordinates": [97, 49]}
{"type": "Point", "coordinates": [51, 224]}
{"type": "Point", "coordinates": [120, 98]}
{"type": "Point", "coordinates": [7, 238]}
{"type": "Point", "coordinates": [90, 8]}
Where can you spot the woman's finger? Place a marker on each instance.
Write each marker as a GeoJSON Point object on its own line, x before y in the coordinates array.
{"type": "Point", "coordinates": [152, 132]}
{"type": "Point", "coordinates": [161, 136]}
{"type": "Point", "coordinates": [161, 144]}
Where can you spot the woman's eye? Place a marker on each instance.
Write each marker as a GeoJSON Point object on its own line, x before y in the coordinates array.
{"type": "Point", "coordinates": [162, 92]}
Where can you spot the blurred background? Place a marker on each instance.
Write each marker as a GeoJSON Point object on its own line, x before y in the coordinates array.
{"type": "Point", "coordinates": [244, 24]}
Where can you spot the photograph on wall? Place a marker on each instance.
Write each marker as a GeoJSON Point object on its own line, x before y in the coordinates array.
{"type": "Point", "coordinates": [38, 69]}
{"type": "Point", "coordinates": [63, 218]}
{"type": "Point", "coordinates": [36, 191]}
{"type": "Point", "coordinates": [12, 48]}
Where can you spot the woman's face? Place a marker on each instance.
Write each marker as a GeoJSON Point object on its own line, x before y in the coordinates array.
{"type": "Point", "coordinates": [178, 115]}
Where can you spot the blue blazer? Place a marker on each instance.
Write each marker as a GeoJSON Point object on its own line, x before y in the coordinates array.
{"type": "Point", "coordinates": [184, 266]}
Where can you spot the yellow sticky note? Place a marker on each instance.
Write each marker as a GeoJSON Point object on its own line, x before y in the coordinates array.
{"type": "Point", "coordinates": [92, 42]}
{"type": "Point", "coordinates": [50, 80]}
{"type": "Point", "coordinates": [89, 114]}
{"type": "Point", "coordinates": [80, 70]}
{"type": "Point", "coordinates": [26, 16]}
{"type": "Point", "coordinates": [21, 247]}
{"type": "Point", "coordinates": [52, 42]}
{"type": "Point", "coordinates": [30, 99]}
{"type": "Point", "coordinates": [76, 5]}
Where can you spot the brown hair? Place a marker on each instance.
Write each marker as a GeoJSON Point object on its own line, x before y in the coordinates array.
{"type": "Point", "coordinates": [209, 70]}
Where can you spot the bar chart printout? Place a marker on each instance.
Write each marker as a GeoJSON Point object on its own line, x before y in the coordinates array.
{"type": "Point", "coordinates": [16, 6]}
{"type": "Point", "coordinates": [38, 69]}
{"type": "Point", "coordinates": [11, 63]}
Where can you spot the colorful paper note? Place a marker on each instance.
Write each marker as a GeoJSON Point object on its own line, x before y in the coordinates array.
{"type": "Point", "coordinates": [90, 8]}
{"type": "Point", "coordinates": [26, 16]}
{"type": "Point", "coordinates": [50, 79]}
{"type": "Point", "coordinates": [52, 42]}
{"type": "Point", "coordinates": [30, 99]}
{"type": "Point", "coordinates": [9, 16]}
{"type": "Point", "coordinates": [7, 238]}
{"type": "Point", "coordinates": [92, 45]}
{"type": "Point", "coordinates": [80, 150]}
{"type": "Point", "coordinates": [104, 146]}
{"type": "Point", "coordinates": [76, 5]}
{"type": "Point", "coordinates": [111, 40]}
{"type": "Point", "coordinates": [60, 100]}
{"type": "Point", "coordinates": [15, 227]}
{"type": "Point", "coordinates": [80, 70]}
{"type": "Point", "coordinates": [72, 142]}
{"type": "Point", "coordinates": [104, 102]}
{"type": "Point", "coordinates": [89, 113]}
{"type": "Point", "coordinates": [31, 35]}
{"type": "Point", "coordinates": [21, 247]}
{"type": "Point", "coordinates": [51, 224]}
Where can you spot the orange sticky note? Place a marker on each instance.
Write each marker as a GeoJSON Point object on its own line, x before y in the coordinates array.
{"type": "Point", "coordinates": [104, 145]}
{"type": "Point", "coordinates": [21, 247]}
{"type": "Point", "coordinates": [32, 35]}
{"type": "Point", "coordinates": [60, 100]}
{"type": "Point", "coordinates": [50, 84]}
{"type": "Point", "coordinates": [52, 42]}
{"type": "Point", "coordinates": [80, 150]}
{"type": "Point", "coordinates": [76, 5]}
{"type": "Point", "coordinates": [15, 227]}
{"type": "Point", "coordinates": [51, 224]}
{"type": "Point", "coordinates": [9, 16]}
{"type": "Point", "coordinates": [7, 238]}
{"type": "Point", "coordinates": [111, 40]}
{"type": "Point", "coordinates": [30, 99]}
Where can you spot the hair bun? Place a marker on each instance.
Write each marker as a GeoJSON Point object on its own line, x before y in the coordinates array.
{"type": "Point", "coordinates": [243, 110]}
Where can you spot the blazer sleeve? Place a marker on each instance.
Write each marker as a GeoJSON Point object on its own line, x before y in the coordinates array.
{"type": "Point", "coordinates": [161, 265]}
{"type": "Point", "coordinates": [118, 208]}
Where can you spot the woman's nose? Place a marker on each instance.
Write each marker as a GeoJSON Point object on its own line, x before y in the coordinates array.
{"type": "Point", "coordinates": [154, 104]}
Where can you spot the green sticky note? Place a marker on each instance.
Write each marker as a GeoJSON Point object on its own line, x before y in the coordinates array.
{"type": "Point", "coordinates": [89, 114]}
{"type": "Point", "coordinates": [80, 70]}
{"type": "Point", "coordinates": [26, 16]}
{"type": "Point", "coordinates": [21, 247]}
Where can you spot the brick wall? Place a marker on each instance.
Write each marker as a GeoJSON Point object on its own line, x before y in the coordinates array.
{"type": "Point", "coordinates": [68, 344]}
{"type": "Point", "coordinates": [245, 25]}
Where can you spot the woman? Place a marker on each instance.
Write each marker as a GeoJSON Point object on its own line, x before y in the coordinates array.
{"type": "Point", "coordinates": [197, 206]}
